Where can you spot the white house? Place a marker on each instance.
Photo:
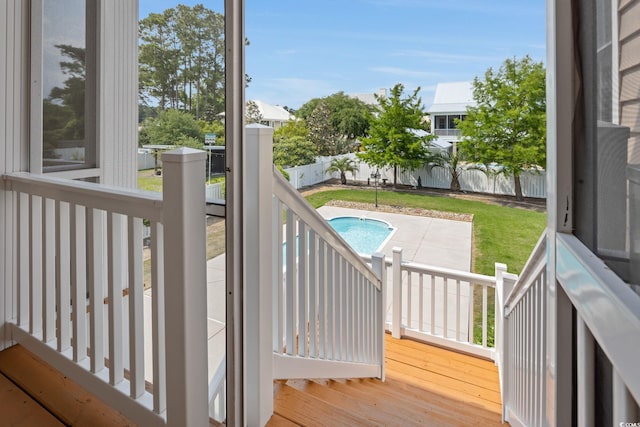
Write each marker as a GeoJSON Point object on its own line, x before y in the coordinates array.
{"type": "Point", "coordinates": [273, 116]}
{"type": "Point", "coordinates": [369, 98]}
{"type": "Point", "coordinates": [567, 329]}
{"type": "Point", "coordinates": [450, 102]}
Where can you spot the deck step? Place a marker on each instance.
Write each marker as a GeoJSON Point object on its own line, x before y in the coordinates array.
{"type": "Point", "coordinates": [63, 400]}
{"type": "Point", "coordinates": [425, 385]}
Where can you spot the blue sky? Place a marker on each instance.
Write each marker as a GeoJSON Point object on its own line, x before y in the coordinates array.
{"type": "Point", "coordinates": [304, 49]}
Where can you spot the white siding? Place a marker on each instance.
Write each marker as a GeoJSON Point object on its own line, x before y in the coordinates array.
{"type": "Point", "coordinates": [117, 113]}
{"type": "Point", "coordinates": [118, 91]}
{"type": "Point", "coordinates": [14, 21]}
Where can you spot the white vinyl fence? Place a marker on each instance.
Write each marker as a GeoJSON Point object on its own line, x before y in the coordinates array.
{"type": "Point", "coordinates": [471, 180]}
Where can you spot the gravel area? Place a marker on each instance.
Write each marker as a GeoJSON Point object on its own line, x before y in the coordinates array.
{"type": "Point", "coordinates": [402, 210]}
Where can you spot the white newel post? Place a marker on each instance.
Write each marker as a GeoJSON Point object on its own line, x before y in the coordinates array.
{"type": "Point", "coordinates": [500, 269]}
{"type": "Point", "coordinates": [379, 268]}
{"type": "Point", "coordinates": [258, 257]}
{"type": "Point", "coordinates": [505, 282]}
{"type": "Point", "coordinates": [396, 312]}
{"type": "Point", "coordinates": [185, 287]}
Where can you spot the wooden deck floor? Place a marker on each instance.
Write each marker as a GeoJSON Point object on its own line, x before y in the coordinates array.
{"type": "Point", "coordinates": [425, 385]}
{"type": "Point", "coordinates": [32, 393]}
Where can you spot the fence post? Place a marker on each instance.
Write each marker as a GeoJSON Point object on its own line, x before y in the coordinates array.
{"type": "Point", "coordinates": [396, 317]}
{"type": "Point", "coordinates": [257, 270]}
{"type": "Point", "coordinates": [379, 268]}
{"type": "Point", "coordinates": [185, 287]}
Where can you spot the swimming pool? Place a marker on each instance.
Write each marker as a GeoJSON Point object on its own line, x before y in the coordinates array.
{"type": "Point", "coordinates": [365, 235]}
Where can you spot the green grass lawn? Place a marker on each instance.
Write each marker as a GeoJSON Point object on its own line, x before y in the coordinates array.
{"type": "Point", "coordinates": [149, 181]}
{"type": "Point", "coordinates": [500, 234]}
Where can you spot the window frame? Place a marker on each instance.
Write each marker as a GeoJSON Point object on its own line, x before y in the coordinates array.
{"type": "Point", "coordinates": [91, 168]}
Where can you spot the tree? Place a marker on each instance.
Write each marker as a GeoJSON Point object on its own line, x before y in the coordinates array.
{"type": "Point", "coordinates": [170, 127]}
{"type": "Point", "coordinates": [182, 59]}
{"type": "Point", "coordinates": [252, 112]}
{"type": "Point", "coordinates": [348, 116]}
{"type": "Point", "coordinates": [293, 151]}
{"type": "Point", "coordinates": [508, 124]}
{"type": "Point", "coordinates": [321, 131]}
{"type": "Point", "coordinates": [65, 106]}
{"type": "Point", "coordinates": [292, 128]}
{"type": "Point", "coordinates": [449, 162]}
{"type": "Point", "coordinates": [393, 139]}
{"type": "Point", "coordinates": [343, 165]}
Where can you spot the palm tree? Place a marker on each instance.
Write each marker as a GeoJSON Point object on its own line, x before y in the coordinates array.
{"type": "Point", "coordinates": [343, 165]}
{"type": "Point", "coordinates": [451, 163]}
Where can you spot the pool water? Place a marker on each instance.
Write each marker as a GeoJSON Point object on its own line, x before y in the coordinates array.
{"type": "Point", "coordinates": [365, 235]}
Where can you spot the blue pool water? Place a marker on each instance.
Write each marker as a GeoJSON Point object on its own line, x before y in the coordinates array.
{"type": "Point", "coordinates": [364, 235]}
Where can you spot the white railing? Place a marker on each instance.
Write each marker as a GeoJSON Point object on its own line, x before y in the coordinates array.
{"type": "Point", "coordinates": [607, 314]}
{"type": "Point", "coordinates": [328, 304]}
{"type": "Point", "coordinates": [436, 305]}
{"type": "Point", "coordinates": [447, 132]}
{"type": "Point", "coordinates": [521, 328]}
{"type": "Point", "coordinates": [215, 191]}
{"type": "Point", "coordinates": [79, 288]}
{"type": "Point", "coordinates": [218, 393]}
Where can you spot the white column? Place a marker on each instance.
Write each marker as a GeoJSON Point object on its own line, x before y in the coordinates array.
{"type": "Point", "coordinates": [624, 406]}
{"type": "Point", "coordinates": [257, 271]}
{"type": "Point", "coordinates": [586, 374]}
{"type": "Point", "coordinates": [185, 287]}
{"type": "Point", "coordinates": [396, 316]}
{"type": "Point", "coordinates": [379, 268]}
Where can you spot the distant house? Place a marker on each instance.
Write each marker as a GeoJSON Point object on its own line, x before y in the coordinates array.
{"type": "Point", "coordinates": [449, 103]}
{"type": "Point", "coordinates": [274, 116]}
{"type": "Point", "coordinates": [369, 98]}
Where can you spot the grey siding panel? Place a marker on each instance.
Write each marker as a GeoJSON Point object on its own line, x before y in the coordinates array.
{"type": "Point", "coordinates": [630, 53]}
{"type": "Point", "coordinates": [629, 18]}
{"type": "Point", "coordinates": [630, 74]}
{"type": "Point", "coordinates": [14, 132]}
{"type": "Point", "coordinates": [630, 86]}
{"type": "Point", "coordinates": [118, 91]}
{"type": "Point", "coordinates": [624, 3]}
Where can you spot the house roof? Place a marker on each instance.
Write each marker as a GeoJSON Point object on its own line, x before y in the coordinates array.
{"type": "Point", "coordinates": [453, 97]}
{"type": "Point", "coordinates": [369, 98]}
{"type": "Point", "coordinates": [273, 112]}
{"type": "Point", "coordinates": [440, 143]}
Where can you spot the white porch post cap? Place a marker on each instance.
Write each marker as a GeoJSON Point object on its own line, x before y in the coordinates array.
{"type": "Point", "coordinates": [183, 155]}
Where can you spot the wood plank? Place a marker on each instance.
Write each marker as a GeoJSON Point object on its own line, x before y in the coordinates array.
{"type": "Point", "coordinates": [439, 351]}
{"type": "Point", "coordinates": [306, 410]}
{"type": "Point", "coordinates": [430, 406]}
{"type": "Point", "coordinates": [279, 421]}
{"type": "Point", "coordinates": [456, 371]}
{"type": "Point", "coordinates": [65, 399]}
{"type": "Point", "coordinates": [443, 385]}
{"type": "Point", "coordinates": [368, 407]}
{"type": "Point", "coordinates": [18, 409]}
{"type": "Point", "coordinates": [423, 408]}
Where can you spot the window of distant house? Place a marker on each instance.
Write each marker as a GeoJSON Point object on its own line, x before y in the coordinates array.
{"type": "Point", "coordinates": [68, 94]}
{"type": "Point", "coordinates": [452, 121]}
{"type": "Point", "coordinates": [441, 122]}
